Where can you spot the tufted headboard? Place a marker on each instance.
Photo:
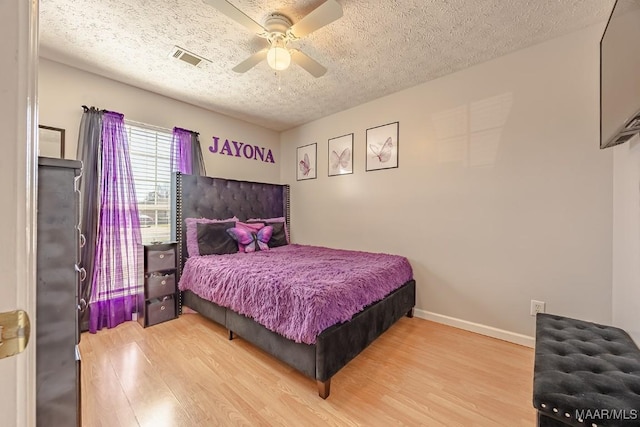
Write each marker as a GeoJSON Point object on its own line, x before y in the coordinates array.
{"type": "Point", "coordinates": [205, 197]}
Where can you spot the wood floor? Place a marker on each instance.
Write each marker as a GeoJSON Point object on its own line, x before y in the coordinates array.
{"type": "Point", "coordinates": [186, 373]}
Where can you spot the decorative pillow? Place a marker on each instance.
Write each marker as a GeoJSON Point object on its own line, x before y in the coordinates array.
{"type": "Point", "coordinates": [251, 228]}
{"type": "Point", "coordinates": [214, 240]}
{"type": "Point", "coordinates": [192, 231]}
{"type": "Point", "coordinates": [280, 233]}
{"type": "Point", "coordinates": [251, 241]}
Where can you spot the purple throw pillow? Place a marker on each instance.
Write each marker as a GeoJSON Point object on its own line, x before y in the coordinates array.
{"type": "Point", "coordinates": [251, 241]}
{"type": "Point", "coordinates": [251, 228]}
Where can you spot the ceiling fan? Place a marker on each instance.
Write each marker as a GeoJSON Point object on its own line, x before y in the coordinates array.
{"type": "Point", "coordinates": [279, 31]}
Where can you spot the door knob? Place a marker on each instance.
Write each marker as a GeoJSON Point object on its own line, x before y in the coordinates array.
{"type": "Point", "coordinates": [14, 332]}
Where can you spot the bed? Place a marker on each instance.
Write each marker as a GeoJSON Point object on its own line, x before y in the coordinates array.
{"type": "Point", "coordinates": [318, 355]}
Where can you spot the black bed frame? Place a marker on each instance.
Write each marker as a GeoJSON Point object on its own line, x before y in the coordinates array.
{"type": "Point", "coordinates": [204, 197]}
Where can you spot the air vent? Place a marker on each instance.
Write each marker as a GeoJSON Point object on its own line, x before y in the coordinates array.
{"type": "Point", "coordinates": [188, 57]}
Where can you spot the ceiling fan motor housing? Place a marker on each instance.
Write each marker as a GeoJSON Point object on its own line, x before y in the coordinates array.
{"type": "Point", "coordinates": [277, 23]}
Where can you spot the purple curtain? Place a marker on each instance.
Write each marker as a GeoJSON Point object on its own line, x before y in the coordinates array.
{"type": "Point", "coordinates": [181, 151]}
{"type": "Point", "coordinates": [186, 154]}
{"type": "Point", "coordinates": [116, 275]}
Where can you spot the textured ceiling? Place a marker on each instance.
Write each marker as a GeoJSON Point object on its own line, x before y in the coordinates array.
{"type": "Point", "coordinates": [376, 48]}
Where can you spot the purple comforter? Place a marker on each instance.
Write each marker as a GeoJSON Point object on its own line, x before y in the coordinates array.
{"type": "Point", "coordinates": [297, 291]}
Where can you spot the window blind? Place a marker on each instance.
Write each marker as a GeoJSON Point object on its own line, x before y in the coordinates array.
{"type": "Point", "coordinates": [149, 150]}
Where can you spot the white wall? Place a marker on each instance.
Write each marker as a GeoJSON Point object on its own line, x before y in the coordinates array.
{"type": "Point", "coordinates": [502, 195]}
{"type": "Point", "coordinates": [626, 237]}
{"type": "Point", "coordinates": [63, 90]}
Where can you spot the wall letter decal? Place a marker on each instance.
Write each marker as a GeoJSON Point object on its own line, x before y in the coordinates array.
{"type": "Point", "coordinates": [240, 149]}
{"type": "Point", "coordinates": [248, 153]}
{"type": "Point", "coordinates": [269, 157]}
{"type": "Point", "coordinates": [226, 148]}
{"type": "Point", "coordinates": [258, 152]}
{"type": "Point", "coordinates": [237, 145]}
{"type": "Point", "coordinates": [214, 148]}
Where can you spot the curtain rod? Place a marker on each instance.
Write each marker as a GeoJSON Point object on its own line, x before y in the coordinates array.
{"type": "Point", "coordinates": [187, 130]}
{"type": "Point", "coordinates": [139, 123]}
{"type": "Point", "coordinates": [85, 108]}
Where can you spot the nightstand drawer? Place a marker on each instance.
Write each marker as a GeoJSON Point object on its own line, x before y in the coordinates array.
{"type": "Point", "coordinates": [160, 277]}
{"type": "Point", "coordinates": [159, 285]}
{"type": "Point", "coordinates": [159, 311]}
{"type": "Point", "coordinates": [161, 260]}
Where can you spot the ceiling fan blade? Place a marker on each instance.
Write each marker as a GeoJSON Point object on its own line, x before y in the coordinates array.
{"type": "Point", "coordinates": [251, 61]}
{"type": "Point", "coordinates": [310, 65]}
{"type": "Point", "coordinates": [324, 14]}
{"type": "Point", "coordinates": [237, 15]}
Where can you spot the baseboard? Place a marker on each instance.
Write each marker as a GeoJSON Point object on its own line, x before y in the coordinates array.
{"type": "Point", "coordinates": [490, 331]}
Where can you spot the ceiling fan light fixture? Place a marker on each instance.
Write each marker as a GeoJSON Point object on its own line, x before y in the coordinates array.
{"type": "Point", "coordinates": [278, 58]}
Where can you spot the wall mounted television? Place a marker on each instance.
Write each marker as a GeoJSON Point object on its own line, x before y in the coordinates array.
{"type": "Point", "coordinates": [620, 75]}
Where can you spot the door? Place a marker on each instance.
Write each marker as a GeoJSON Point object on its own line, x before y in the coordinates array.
{"type": "Point", "coordinates": [18, 125]}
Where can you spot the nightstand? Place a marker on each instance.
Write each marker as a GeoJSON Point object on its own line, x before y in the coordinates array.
{"type": "Point", "coordinates": [160, 290]}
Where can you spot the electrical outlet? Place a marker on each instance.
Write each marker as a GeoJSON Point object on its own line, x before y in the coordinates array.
{"type": "Point", "coordinates": [537, 307]}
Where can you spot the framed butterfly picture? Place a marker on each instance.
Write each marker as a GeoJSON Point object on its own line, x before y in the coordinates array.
{"type": "Point", "coordinates": [341, 155]}
{"type": "Point", "coordinates": [306, 167]}
{"type": "Point", "coordinates": [382, 147]}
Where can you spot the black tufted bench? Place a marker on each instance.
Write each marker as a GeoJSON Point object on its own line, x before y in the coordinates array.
{"type": "Point", "coordinates": [585, 374]}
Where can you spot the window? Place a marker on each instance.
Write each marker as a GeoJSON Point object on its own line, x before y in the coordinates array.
{"type": "Point", "coordinates": [149, 150]}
